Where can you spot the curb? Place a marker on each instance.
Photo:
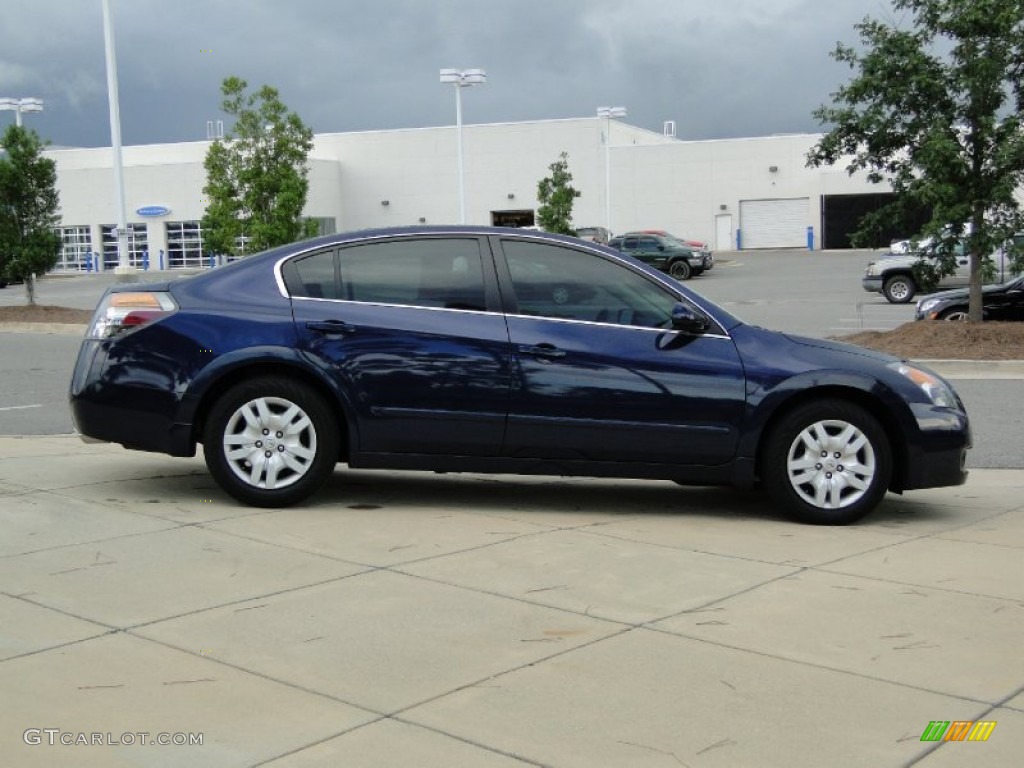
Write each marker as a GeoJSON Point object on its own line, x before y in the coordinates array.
{"type": "Point", "coordinates": [69, 329]}
{"type": "Point", "coordinates": [977, 369]}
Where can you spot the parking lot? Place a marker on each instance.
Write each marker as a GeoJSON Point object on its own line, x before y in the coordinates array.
{"type": "Point", "coordinates": [461, 620]}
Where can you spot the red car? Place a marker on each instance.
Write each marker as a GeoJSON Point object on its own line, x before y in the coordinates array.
{"type": "Point", "coordinates": [684, 241]}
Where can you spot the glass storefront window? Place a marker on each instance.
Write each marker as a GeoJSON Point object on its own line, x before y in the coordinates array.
{"type": "Point", "coordinates": [137, 246]}
{"type": "Point", "coordinates": [76, 244]}
{"type": "Point", "coordinates": [185, 245]}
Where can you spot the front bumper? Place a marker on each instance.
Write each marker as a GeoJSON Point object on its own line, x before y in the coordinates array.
{"type": "Point", "coordinates": [939, 457]}
{"type": "Point", "coordinates": [872, 283]}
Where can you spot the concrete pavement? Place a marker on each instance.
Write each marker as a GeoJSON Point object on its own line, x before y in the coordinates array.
{"type": "Point", "coordinates": [458, 620]}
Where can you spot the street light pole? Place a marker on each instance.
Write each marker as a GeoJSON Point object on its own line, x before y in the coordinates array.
{"type": "Point", "coordinates": [462, 78]}
{"type": "Point", "coordinates": [608, 113]}
{"type": "Point", "coordinates": [21, 106]}
{"type": "Point", "coordinates": [124, 267]}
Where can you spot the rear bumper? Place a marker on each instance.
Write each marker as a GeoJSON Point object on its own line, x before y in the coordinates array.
{"type": "Point", "coordinates": [113, 404]}
{"type": "Point", "coordinates": [131, 427]}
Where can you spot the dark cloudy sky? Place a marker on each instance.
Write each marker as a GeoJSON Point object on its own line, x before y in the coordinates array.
{"type": "Point", "coordinates": [719, 68]}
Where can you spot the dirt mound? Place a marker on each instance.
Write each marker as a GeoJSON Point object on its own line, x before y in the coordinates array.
{"type": "Point", "coordinates": [926, 340]}
{"type": "Point", "coordinates": [42, 313]}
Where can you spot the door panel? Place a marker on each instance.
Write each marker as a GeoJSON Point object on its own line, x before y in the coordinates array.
{"type": "Point", "coordinates": [425, 367]}
{"type": "Point", "coordinates": [617, 393]}
{"type": "Point", "coordinates": [598, 372]}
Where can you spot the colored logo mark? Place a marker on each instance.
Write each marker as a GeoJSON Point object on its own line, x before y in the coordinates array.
{"type": "Point", "coordinates": [958, 730]}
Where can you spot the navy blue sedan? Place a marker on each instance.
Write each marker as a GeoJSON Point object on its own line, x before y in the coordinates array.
{"type": "Point", "coordinates": [480, 349]}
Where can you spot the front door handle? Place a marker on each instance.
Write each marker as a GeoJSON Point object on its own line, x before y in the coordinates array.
{"type": "Point", "coordinates": [330, 327]}
{"type": "Point", "coordinates": [547, 351]}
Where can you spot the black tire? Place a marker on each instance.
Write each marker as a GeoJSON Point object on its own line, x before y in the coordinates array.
{"type": "Point", "coordinates": [833, 489]}
{"type": "Point", "coordinates": [286, 421]}
{"type": "Point", "coordinates": [899, 289]}
{"type": "Point", "coordinates": [680, 269]}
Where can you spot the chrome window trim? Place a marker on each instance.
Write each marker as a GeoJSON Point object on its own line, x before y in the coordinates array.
{"type": "Point", "coordinates": [342, 243]}
{"type": "Point", "coordinates": [502, 314]}
{"type": "Point", "coordinates": [616, 325]}
{"type": "Point", "coordinates": [396, 306]}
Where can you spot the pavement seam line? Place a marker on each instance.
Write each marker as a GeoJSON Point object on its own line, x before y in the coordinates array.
{"type": "Point", "coordinates": [814, 665]}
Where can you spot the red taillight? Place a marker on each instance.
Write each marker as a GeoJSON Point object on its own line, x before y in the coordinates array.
{"type": "Point", "coordinates": [123, 312]}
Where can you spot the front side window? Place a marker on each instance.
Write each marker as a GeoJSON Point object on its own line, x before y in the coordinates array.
{"type": "Point", "coordinates": [558, 282]}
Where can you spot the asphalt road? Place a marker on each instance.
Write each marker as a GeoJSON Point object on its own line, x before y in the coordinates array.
{"type": "Point", "coordinates": [816, 294]}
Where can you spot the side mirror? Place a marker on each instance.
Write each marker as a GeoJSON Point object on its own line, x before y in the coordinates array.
{"type": "Point", "coordinates": [661, 247]}
{"type": "Point", "coordinates": [685, 319]}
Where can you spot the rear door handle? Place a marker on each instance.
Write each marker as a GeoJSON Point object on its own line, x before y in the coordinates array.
{"type": "Point", "coordinates": [330, 327]}
{"type": "Point", "coordinates": [547, 351]}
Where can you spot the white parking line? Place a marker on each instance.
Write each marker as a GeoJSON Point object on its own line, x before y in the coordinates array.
{"type": "Point", "coordinates": [19, 407]}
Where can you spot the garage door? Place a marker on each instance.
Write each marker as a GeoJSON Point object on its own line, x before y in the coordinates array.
{"type": "Point", "coordinates": [774, 223]}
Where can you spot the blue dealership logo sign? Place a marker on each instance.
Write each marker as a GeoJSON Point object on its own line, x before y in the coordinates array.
{"type": "Point", "coordinates": [153, 210]}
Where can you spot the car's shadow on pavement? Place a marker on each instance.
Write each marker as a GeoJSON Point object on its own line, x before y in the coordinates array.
{"type": "Point", "coordinates": [505, 493]}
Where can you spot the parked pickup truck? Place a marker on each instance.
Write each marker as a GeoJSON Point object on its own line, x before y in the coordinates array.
{"type": "Point", "coordinates": [893, 274]}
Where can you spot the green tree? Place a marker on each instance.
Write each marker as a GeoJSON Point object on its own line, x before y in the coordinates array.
{"type": "Point", "coordinates": [28, 209]}
{"type": "Point", "coordinates": [256, 176]}
{"type": "Point", "coordinates": [556, 196]}
{"type": "Point", "coordinates": [935, 108]}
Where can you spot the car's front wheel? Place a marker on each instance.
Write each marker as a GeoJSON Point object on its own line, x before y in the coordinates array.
{"type": "Point", "coordinates": [828, 462]}
{"type": "Point", "coordinates": [899, 289]}
{"type": "Point", "coordinates": [680, 270]}
{"type": "Point", "coordinates": [271, 441]}
{"type": "Point", "coordinates": [954, 315]}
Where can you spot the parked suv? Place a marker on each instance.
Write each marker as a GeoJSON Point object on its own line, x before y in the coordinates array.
{"type": "Point", "coordinates": [664, 252]}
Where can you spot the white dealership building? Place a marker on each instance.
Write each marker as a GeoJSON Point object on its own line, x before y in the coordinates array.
{"type": "Point", "coordinates": [754, 193]}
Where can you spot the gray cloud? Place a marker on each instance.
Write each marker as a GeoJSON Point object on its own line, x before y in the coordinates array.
{"type": "Point", "coordinates": [720, 69]}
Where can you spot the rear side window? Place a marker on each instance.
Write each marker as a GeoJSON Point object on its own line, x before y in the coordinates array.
{"type": "Point", "coordinates": [313, 276]}
{"type": "Point", "coordinates": [431, 272]}
{"type": "Point", "coordinates": [445, 273]}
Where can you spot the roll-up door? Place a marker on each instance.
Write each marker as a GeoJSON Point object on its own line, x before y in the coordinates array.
{"type": "Point", "coordinates": [774, 223]}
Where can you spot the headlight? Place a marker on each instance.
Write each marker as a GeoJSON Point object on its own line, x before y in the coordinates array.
{"type": "Point", "coordinates": [935, 388]}
{"type": "Point", "coordinates": [927, 305]}
{"type": "Point", "coordinates": [869, 268]}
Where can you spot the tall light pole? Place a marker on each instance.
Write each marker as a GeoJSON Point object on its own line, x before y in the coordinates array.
{"type": "Point", "coordinates": [123, 266]}
{"type": "Point", "coordinates": [608, 113]}
{"type": "Point", "coordinates": [462, 78]}
{"type": "Point", "coordinates": [21, 106]}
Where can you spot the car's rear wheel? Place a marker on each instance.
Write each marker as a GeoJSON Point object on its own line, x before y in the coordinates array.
{"type": "Point", "coordinates": [680, 270]}
{"type": "Point", "coordinates": [828, 462]}
{"type": "Point", "coordinates": [270, 442]}
{"type": "Point", "coordinates": [954, 315]}
{"type": "Point", "coordinates": [899, 289]}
